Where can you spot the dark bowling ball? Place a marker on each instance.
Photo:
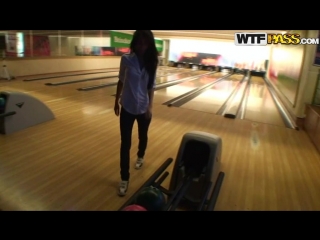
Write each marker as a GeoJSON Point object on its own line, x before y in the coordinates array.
{"type": "Point", "coordinates": [151, 198]}
{"type": "Point", "coordinates": [2, 102]}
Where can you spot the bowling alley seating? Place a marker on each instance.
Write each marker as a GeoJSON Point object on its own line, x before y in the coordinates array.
{"type": "Point", "coordinates": [195, 182]}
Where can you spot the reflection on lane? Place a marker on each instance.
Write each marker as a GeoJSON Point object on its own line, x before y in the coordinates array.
{"type": "Point", "coordinates": [115, 79]}
{"type": "Point", "coordinates": [260, 105]}
{"type": "Point", "coordinates": [74, 78]}
{"type": "Point", "coordinates": [171, 92]}
{"type": "Point", "coordinates": [211, 100]}
{"type": "Point", "coordinates": [179, 75]}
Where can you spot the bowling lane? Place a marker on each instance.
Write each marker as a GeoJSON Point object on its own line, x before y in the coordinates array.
{"type": "Point", "coordinates": [69, 73]}
{"type": "Point", "coordinates": [70, 89]}
{"type": "Point", "coordinates": [65, 92]}
{"type": "Point", "coordinates": [166, 94]}
{"type": "Point", "coordinates": [75, 78]}
{"type": "Point", "coordinates": [166, 68]}
{"type": "Point", "coordinates": [170, 71]}
{"type": "Point", "coordinates": [211, 100]}
{"type": "Point", "coordinates": [54, 93]}
{"type": "Point", "coordinates": [111, 90]}
{"type": "Point", "coordinates": [260, 105]}
{"type": "Point", "coordinates": [39, 85]}
{"type": "Point", "coordinates": [115, 79]}
{"type": "Point", "coordinates": [62, 77]}
{"type": "Point", "coordinates": [96, 82]}
{"type": "Point", "coordinates": [161, 70]}
{"type": "Point", "coordinates": [112, 72]}
{"type": "Point", "coordinates": [179, 75]}
{"type": "Point", "coordinates": [175, 73]}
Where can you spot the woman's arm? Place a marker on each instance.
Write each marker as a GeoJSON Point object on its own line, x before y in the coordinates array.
{"type": "Point", "coordinates": [119, 90]}
{"type": "Point", "coordinates": [151, 91]}
{"type": "Point", "coordinates": [151, 95]}
{"type": "Point", "coordinates": [121, 80]}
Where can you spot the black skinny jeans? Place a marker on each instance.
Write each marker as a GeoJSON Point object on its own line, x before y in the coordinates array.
{"type": "Point", "coordinates": [126, 125]}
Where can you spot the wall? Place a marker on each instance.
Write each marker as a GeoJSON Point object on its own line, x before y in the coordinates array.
{"type": "Point", "coordinates": [63, 58]}
{"type": "Point", "coordinates": [316, 99]}
{"type": "Point", "coordinates": [307, 81]}
{"type": "Point", "coordinates": [68, 44]}
{"type": "Point", "coordinates": [308, 78]}
{"type": "Point", "coordinates": [285, 67]}
{"type": "Point", "coordinates": [24, 67]}
{"type": "Point", "coordinates": [165, 52]}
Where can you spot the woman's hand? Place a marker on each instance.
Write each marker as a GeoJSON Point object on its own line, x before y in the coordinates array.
{"type": "Point", "coordinates": [116, 108]}
{"type": "Point", "coordinates": [149, 113]}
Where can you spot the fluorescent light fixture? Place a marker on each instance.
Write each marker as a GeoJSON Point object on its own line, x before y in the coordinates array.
{"type": "Point", "coordinates": [56, 36]}
{"type": "Point", "coordinates": [206, 33]}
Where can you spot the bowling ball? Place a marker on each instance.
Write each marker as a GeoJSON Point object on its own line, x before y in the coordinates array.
{"type": "Point", "coordinates": [2, 105]}
{"type": "Point", "coordinates": [134, 207]}
{"type": "Point", "coordinates": [2, 102]}
{"type": "Point", "coordinates": [151, 198]}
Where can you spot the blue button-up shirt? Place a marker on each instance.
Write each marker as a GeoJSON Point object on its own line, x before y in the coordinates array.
{"type": "Point", "coordinates": [134, 98]}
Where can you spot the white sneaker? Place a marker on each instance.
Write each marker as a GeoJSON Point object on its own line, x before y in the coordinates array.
{"type": "Point", "coordinates": [139, 163]}
{"type": "Point", "coordinates": [123, 187]}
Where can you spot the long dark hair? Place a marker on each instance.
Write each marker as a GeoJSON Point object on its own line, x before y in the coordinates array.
{"type": "Point", "coordinates": [150, 56]}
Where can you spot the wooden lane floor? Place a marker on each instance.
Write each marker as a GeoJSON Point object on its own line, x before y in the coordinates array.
{"type": "Point", "coordinates": [161, 69]}
{"type": "Point", "coordinates": [39, 86]}
{"type": "Point", "coordinates": [260, 105]}
{"type": "Point", "coordinates": [166, 68]}
{"type": "Point", "coordinates": [66, 94]}
{"type": "Point", "coordinates": [169, 69]}
{"type": "Point", "coordinates": [67, 78]}
{"type": "Point", "coordinates": [68, 73]}
{"type": "Point", "coordinates": [63, 92]}
{"type": "Point", "coordinates": [166, 71]}
{"type": "Point", "coordinates": [166, 94]}
{"type": "Point", "coordinates": [211, 100]}
{"type": "Point", "coordinates": [178, 75]}
{"type": "Point", "coordinates": [75, 78]}
{"type": "Point", "coordinates": [72, 162]}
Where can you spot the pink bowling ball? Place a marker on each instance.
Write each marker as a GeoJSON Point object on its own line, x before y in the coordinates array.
{"type": "Point", "coordinates": [134, 207]}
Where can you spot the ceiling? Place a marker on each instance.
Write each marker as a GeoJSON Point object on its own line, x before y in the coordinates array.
{"type": "Point", "coordinates": [164, 34]}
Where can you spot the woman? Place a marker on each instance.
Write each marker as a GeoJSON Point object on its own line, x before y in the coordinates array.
{"type": "Point", "coordinates": [136, 85]}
